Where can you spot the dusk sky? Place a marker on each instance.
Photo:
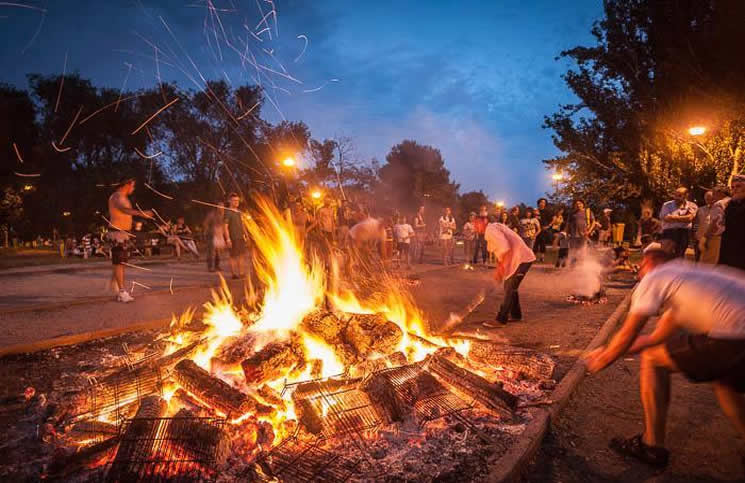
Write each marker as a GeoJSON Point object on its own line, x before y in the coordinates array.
{"type": "Point", "coordinates": [472, 78]}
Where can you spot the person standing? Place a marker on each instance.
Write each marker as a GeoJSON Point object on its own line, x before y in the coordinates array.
{"type": "Point", "coordinates": [300, 220]}
{"type": "Point", "coordinates": [677, 218]}
{"type": "Point", "coordinates": [557, 222]}
{"type": "Point", "coordinates": [326, 223]}
{"type": "Point", "coordinates": [710, 241]}
{"type": "Point", "coordinates": [447, 230]}
{"type": "Point", "coordinates": [605, 227]}
{"type": "Point", "coordinates": [530, 227]}
{"type": "Point", "coordinates": [469, 237]}
{"type": "Point", "coordinates": [513, 220]}
{"type": "Point", "coordinates": [514, 259]}
{"type": "Point", "coordinates": [544, 214]}
{"type": "Point", "coordinates": [403, 233]}
{"type": "Point", "coordinates": [420, 230]}
{"type": "Point", "coordinates": [236, 239]}
{"type": "Point", "coordinates": [120, 214]}
{"type": "Point", "coordinates": [578, 228]}
{"type": "Point", "coordinates": [700, 333]}
{"type": "Point", "coordinates": [649, 227]}
{"type": "Point", "coordinates": [479, 225]}
{"type": "Point", "coordinates": [214, 231]}
{"type": "Point", "coordinates": [732, 251]}
{"type": "Point", "coordinates": [701, 224]}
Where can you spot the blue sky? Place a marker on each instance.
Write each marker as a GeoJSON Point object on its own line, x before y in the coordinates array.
{"type": "Point", "coordinates": [473, 78]}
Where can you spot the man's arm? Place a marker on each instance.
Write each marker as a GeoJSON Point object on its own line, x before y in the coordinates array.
{"type": "Point", "coordinates": [602, 357]}
{"type": "Point", "coordinates": [665, 328]}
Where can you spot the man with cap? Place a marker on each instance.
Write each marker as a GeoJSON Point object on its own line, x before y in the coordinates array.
{"type": "Point", "coordinates": [700, 332]}
{"type": "Point", "coordinates": [120, 214]}
{"type": "Point", "coordinates": [677, 219]}
{"type": "Point", "coordinates": [732, 251]}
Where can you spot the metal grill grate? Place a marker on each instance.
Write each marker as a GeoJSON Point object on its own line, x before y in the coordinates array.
{"type": "Point", "coordinates": [431, 400]}
{"type": "Point", "coordinates": [171, 451]}
{"type": "Point", "coordinates": [343, 409]}
{"type": "Point", "coordinates": [296, 461]}
{"type": "Point", "coordinates": [118, 396]}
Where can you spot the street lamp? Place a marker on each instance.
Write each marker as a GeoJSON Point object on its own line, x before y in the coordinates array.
{"type": "Point", "coordinates": [66, 213]}
{"type": "Point", "coordinates": [28, 187]}
{"type": "Point", "coordinates": [500, 204]}
{"type": "Point", "coordinates": [316, 194]}
{"type": "Point", "coordinates": [696, 130]}
{"type": "Point", "coordinates": [288, 162]}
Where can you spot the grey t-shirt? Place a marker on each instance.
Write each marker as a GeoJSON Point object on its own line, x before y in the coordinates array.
{"type": "Point", "coordinates": [704, 299]}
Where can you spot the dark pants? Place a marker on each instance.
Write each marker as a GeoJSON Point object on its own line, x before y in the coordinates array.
{"type": "Point", "coordinates": [680, 237]}
{"type": "Point", "coordinates": [480, 243]}
{"type": "Point", "coordinates": [511, 304]}
{"type": "Point", "coordinates": [544, 238]}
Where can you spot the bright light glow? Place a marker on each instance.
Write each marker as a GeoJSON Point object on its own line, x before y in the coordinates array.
{"type": "Point", "coordinates": [28, 187]}
{"type": "Point", "coordinates": [288, 162]}
{"type": "Point", "coordinates": [557, 177]}
{"type": "Point", "coordinates": [500, 204]}
{"type": "Point", "coordinates": [66, 213]}
{"type": "Point", "coordinates": [317, 349]}
{"type": "Point", "coordinates": [316, 195]}
{"type": "Point", "coordinates": [696, 130]}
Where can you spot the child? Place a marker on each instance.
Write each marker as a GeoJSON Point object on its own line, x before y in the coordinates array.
{"type": "Point", "coordinates": [563, 240]}
{"type": "Point", "coordinates": [403, 233]}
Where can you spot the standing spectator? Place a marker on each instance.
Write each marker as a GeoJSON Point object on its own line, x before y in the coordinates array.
{"type": "Point", "coordinates": [503, 217]}
{"type": "Point", "coordinates": [732, 252]}
{"type": "Point", "coordinates": [513, 220]}
{"type": "Point", "coordinates": [214, 231]}
{"type": "Point", "coordinates": [649, 227]}
{"type": "Point", "coordinates": [710, 241]}
{"type": "Point", "coordinates": [326, 223]}
{"type": "Point", "coordinates": [404, 233]}
{"type": "Point", "coordinates": [300, 220]}
{"type": "Point", "coordinates": [514, 259]}
{"type": "Point", "coordinates": [343, 219]}
{"type": "Point", "coordinates": [563, 254]}
{"type": "Point", "coordinates": [420, 229]}
{"type": "Point", "coordinates": [579, 224]}
{"type": "Point", "coordinates": [530, 227]}
{"type": "Point", "coordinates": [544, 214]}
{"type": "Point", "coordinates": [479, 226]}
{"type": "Point", "coordinates": [605, 227]}
{"type": "Point", "coordinates": [701, 223]}
{"type": "Point", "coordinates": [469, 236]}
{"type": "Point", "coordinates": [677, 218]}
{"type": "Point", "coordinates": [236, 238]}
{"type": "Point", "coordinates": [120, 214]}
{"type": "Point", "coordinates": [557, 221]}
{"type": "Point", "coordinates": [447, 230]}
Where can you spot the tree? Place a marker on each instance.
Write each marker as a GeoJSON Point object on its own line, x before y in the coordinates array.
{"type": "Point", "coordinates": [471, 202]}
{"type": "Point", "coordinates": [414, 172]}
{"type": "Point", "coordinates": [657, 67]}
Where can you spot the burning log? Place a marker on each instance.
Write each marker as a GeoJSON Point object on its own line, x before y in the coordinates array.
{"type": "Point", "coordinates": [325, 325]}
{"type": "Point", "coordinates": [371, 333]}
{"type": "Point", "coordinates": [138, 439]}
{"type": "Point", "coordinates": [526, 362]}
{"type": "Point", "coordinates": [91, 431]}
{"type": "Point", "coordinates": [396, 391]}
{"type": "Point", "coordinates": [272, 362]}
{"type": "Point", "coordinates": [203, 441]}
{"type": "Point", "coordinates": [271, 397]}
{"type": "Point", "coordinates": [85, 458]}
{"type": "Point", "coordinates": [308, 416]}
{"type": "Point", "coordinates": [369, 366]}
{"type": "Point", "coordinates": [183, 399]}
{"type": "Point", "coordinates": [492, 395]}
{"type": "Point", "coordinates": [214, 391]}
{"type": "Point", "coordinates": [236, 349]}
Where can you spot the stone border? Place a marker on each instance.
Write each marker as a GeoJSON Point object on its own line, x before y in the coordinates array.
{"type": "Point", "coordinates": [510, 466]}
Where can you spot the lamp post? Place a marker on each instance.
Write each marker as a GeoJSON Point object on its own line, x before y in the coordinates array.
{"type": "Point", "coordinates": [696, 130]}
{"type": "Point", "coordinates": [557, 177]}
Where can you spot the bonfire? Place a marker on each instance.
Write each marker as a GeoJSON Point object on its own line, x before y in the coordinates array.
{"type": "Point", "coordinates": [311, 377]}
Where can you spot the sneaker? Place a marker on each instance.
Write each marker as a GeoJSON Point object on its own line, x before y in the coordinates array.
{"type": "Point", "coordinates": [124, 297]}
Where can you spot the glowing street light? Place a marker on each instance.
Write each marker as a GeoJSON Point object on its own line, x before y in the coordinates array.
{"type": "Point", "coordinates": [66, 213]}
{"type": "Point", "coordinates": [288, 162]}
{"type": "Point", "coordinates": [500, 204]}
{"type": "Point", "coordinates": [28, 187]}
{"type": "Point", "coordinates": [316, 194]}
{"type": "Point", "coordinates": [557, 177]}
{"type": "Point", "coordinates": [696, 130]}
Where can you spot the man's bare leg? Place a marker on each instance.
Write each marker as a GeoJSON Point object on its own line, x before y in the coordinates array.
{"type": "Point", "coordinates": [234, 266]}
{"type": "Point", "coordinates": [732, 404]}
{"type": "Point", "coordinates": [118, 277]}
{"type": "Point", "coordinates": [654, 388]}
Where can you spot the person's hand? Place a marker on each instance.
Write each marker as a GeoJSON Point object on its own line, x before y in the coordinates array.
{"type": "Point", "coordinates": [229, 243]}
{"type": "Point", "coordinates": [148, 214]}
{"type": "Point", "coordinates": [595, 360]}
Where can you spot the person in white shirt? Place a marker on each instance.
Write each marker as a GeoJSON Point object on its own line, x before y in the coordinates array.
{"type": "Point", "coordinates": [447, 230]}
{"type": "Point", "coordinates": [368, 231]}
{"type": "Point", "coordinates": [469, 236]}
{"type": "Point", "coordinates": [530, 227]}
{"type": "Point", "coordinates": [700, 333]}
{"type": "Point", "coordinates": [514, 259]}
{"type": "Point", "coordinates": [404, 233]}
{"type": "Point", "coordinates": [677, 219]}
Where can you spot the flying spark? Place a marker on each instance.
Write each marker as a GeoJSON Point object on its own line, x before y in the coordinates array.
{"type": "Point", "coordinates": [59, 149]}
{"type": "Point", "coordinates": [301, 36]}
{"type": "Point", "coordinates": [27, 175]}
{"type": "Point", "coordinates": [62, 141]}
{"type": "Point", "coordinates": [136, 266]}
{"type": "Point", "coordinates": [61, 83]}
{"type": "Point", "coordinates": [145, 156]}
{"type": "Point", "coordinates": [155, 115]}
{"type": "Point", "coordinates": [18, 153]}
{"type": "Point", "coordinates": [158, 192]}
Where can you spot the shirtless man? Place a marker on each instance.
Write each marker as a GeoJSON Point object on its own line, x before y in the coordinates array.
{"type": "Point", "coordinates": [121, 213]}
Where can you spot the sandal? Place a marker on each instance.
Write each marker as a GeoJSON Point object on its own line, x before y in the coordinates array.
{"type": "Point", "coordinates": [655, 456]}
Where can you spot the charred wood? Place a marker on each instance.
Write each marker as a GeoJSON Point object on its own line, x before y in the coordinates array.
{"type": "Point", "coordinates": [89, 456]}
{"type": "Point", "coordinates": [371, 333]}
{"type": "Point", "coordinates": [369, 366]}
{"type": "Point", "coordinates": [272, 362]}
{"type": "Point", "coordinates": [213, 390]}
{"type": "Point", "coordinates": [138, 439]}
{"type": "Point", "coordinates": [525, 362]}
{"type": "Point", "coordinates": [203, 441]}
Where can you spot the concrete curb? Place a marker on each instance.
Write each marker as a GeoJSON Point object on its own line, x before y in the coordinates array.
{"type": "Point", "coordinates": [510, 466]}
{"type": "Point", "coordinates": [80, 338]}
